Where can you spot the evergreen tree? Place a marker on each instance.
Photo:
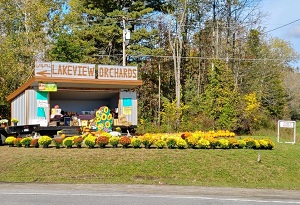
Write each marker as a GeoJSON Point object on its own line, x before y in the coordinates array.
{"type": "Point", "coordinates": [219, 100]}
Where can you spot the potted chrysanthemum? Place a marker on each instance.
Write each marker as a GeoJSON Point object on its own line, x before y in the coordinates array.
{"type": "Point", "coordinates": [34, 142]}
{"type": "Point", "coordinates": [3, 123]}
{"type": "Point", "coordinates": [90, 141]}
{"type": "Point", "coordinates": [114, 141]}
{"type": "Point", "coordinates": [14, 121]}
{"type": "Point", "coordinates": [147, 140]}
{"type": "Point", "coordinates": [10, 141]}
{"type": "Point", "coordinates": [68, 142]}
{"type": "Point", "coordinates": [26, 141]}
{"type": "Point", "coordinates": [17, 142]}
{"type": "Point", "coordinates": [160, 144]}
{"type": "Point", "coordinates": [136, 142]}
{"type": "Point", "coordinates": [125, 141]}
{"type": "Point", "coordinates": [57, 142]}
{"type": "Point", "coordinates": [78, 141]}
{"type": "Point", "coordinates": [181, 143]}
{"type": "Point", "coordinates": [102, 141]}
{"type": "Point", "coordinates": [45, 141]}
{"type": "Point", "coordinates": [171, 142]}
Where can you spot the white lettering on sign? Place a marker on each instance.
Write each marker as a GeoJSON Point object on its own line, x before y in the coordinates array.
{"type": "Point", "coordinates": [73, 70]}
{"type": "Point", "coordinates": [286, 124]}
{"type": "Point", "coordinates": [117, 72]}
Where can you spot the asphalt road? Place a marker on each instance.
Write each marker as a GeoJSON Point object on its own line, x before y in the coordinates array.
{"type": "Point", "coordinates": [89, 194]}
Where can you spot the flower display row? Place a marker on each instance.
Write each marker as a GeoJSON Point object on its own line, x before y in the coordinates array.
{"type": "Point", "coordinates": [197, 140]}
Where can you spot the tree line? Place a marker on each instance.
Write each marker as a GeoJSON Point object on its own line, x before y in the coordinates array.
{"type": "Point", "coordinates": [205, 64]}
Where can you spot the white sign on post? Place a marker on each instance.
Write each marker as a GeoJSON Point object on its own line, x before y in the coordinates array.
{"type": "Point", "coordinates": [286, 124]}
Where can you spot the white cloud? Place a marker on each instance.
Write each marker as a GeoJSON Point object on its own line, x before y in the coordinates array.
{"type": "Point", "coordinates": [295, 32]}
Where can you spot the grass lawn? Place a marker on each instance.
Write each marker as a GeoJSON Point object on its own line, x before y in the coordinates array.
{"type": "Point", "coordinates": [278, 169]}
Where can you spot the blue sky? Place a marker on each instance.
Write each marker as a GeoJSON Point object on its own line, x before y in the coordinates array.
{"type": "Point", "coordinates": [281, 12]}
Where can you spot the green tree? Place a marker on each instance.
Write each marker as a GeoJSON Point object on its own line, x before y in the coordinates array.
{"type": "Point", "coordinates": [220, 100]}
{"type": "Point", "coordinates": [25, 26]}
{"type": "Point", "coordinates": [97, 26]}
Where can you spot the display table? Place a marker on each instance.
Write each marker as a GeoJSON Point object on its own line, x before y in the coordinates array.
{"type": "Point", "coordinates": [86, 117]}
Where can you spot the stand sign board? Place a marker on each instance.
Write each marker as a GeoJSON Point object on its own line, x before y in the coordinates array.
{"type": "Point", "coordinates": [286, 124]}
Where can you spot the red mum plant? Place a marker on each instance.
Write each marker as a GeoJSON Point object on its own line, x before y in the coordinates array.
{"type": "Point", "coordinates": [58, 141]}
{"type": "Point", "coordinates": [185, 135]}
{"type": "Point", "coordinates": [78, 141]}
{"type": "Point", "coordinates": [34, 142]}
{"type": "Point", "coordinates": [125, 141]}
{"type": "Point", "coordinates": [102, 141]}
{"type": "Point", "coordinates": [17, 142]}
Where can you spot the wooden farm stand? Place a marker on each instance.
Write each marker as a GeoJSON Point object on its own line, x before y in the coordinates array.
{"type": "Point", "coordinates": [79, 90]}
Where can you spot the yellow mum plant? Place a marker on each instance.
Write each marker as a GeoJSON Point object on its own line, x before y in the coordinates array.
{"type": "Point", "coordinates": [203, 143]}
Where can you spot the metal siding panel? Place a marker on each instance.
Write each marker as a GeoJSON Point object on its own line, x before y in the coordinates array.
{"type": "Point", "coordinates": [19, 108]}
{"type": "Point", "coordinates": [133, 117]}
{"type": "Point", "coordinates": [24, 107]}
{"type": "Point", "coordinates": [32, 105]}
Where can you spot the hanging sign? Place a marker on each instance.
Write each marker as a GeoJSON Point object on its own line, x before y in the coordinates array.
{"type": "Point", "coordinates": [47, 87]}
{"type": "Point", "coordinates": [84, 70]}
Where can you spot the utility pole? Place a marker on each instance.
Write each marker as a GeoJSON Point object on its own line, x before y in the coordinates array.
{"type": "Point", "coordinates": [126, 38]}
{"type": "Point", "coordinates": [124, 41]}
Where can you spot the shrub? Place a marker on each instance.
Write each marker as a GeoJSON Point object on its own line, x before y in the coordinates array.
{"type": "Point", "coordinates": [160, 144]}
{"type": "Point", "coordinates": [136, 142]}
{"type": "Point", "coordinates": [203, 143]}
{"type": "Point", "coordinates": [90, 141]}
{"type": "Point", "coordinates": [125, 141]}
{"type": "Point", "coordinates": [114, 141]}
{"type": "Point", "coordinates": [102, 141]}
{"type": "Point", "coordinates": [10, 140]}
{"type": "Point", "coordinates": [181, 143]}
{"type": "Point", "coordinates": [45, 141]}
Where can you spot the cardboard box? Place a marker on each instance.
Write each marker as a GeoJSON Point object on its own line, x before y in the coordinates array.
{"type": "Point", "coordinates": [84, 123]}
{"type": "Point", "coordinates": [116, 122]}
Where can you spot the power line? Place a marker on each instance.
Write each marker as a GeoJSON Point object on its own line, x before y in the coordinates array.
{"type": "Point", "coordinates": [282, 26]}
{"type": "Point", "coordinates": [196, 57]}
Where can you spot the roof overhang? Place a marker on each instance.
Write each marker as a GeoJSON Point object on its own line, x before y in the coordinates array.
{"type": "Point", "coordinates": [77, 84]}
